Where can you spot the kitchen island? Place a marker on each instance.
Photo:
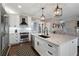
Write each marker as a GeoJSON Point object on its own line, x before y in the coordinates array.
{"type": "Point", "coordinates": [55, 45]}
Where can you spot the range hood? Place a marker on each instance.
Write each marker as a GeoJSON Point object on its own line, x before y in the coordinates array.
{"type": "Point", "coordinates": [23, 22]}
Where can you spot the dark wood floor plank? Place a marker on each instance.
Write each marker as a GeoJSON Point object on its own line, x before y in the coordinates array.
{"type": "Point", "coordinates": [24, 49]}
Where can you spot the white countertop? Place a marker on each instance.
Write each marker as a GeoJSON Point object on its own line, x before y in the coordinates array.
{"type": "Point", "coordinates": [57, 39]}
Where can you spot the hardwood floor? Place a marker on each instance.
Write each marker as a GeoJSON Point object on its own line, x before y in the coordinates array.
{"type": "Point", "coordinates": [24, 49]}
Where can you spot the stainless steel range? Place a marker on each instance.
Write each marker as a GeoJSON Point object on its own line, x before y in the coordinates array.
{"type": "Point", "coordinates": [24, 36]}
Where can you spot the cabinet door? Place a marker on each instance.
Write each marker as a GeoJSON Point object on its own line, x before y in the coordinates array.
{"type": "Point", "coordinates": [39, 46]}
{"type": "Point", "coordinates": [45, 48]}
{"type": "Point", "coordinates": [14, 20]}
{"type": "Point", "coordinates": [35, 26]}
{"type": "Point", "coordinates": [73, 47]}
{"type": "Point", "coordinates": [13, 39]}
{"type": "Point", "coordinates": [69, 48]}
{"type": "Point", "coordinates": [49, 49]}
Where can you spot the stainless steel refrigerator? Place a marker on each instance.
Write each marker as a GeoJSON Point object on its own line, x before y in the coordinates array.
{"type": "Point", "coordinates": [4, 31]}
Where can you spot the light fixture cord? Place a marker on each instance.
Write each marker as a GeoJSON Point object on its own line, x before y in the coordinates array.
{"type": "Point", "coordinates": [42, 11]}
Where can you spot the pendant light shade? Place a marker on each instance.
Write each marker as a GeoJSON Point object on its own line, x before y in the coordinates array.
{"type": "Point", "coordinates": [58, 11]}
{"type": "Point", "coordinates": [42, 16]}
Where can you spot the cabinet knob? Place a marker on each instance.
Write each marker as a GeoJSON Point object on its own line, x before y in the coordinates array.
{"type": "Point", "coordinates": [72, 41]}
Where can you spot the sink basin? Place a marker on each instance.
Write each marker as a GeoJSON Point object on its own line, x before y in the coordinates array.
{"type": "Point", "coordinates": [44, 36]}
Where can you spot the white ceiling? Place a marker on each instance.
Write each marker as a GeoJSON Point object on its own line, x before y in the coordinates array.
{"type": "Point", "coordinates": [34, 9]}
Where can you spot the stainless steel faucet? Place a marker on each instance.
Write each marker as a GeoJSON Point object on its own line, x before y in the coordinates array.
{"type": "Point", "coordinates": [45, 31]}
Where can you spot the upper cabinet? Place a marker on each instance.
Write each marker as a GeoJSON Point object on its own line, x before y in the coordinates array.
{"type": "Point", "coordinates": [14, 20]}
{"type": "Point", "coordinates": [35, 25]}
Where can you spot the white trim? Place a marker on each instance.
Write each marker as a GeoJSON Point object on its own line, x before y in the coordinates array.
{"type": "Point", "coordinates": [8, 51]}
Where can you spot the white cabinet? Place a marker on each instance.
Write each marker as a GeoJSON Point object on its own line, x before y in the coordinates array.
{"type": "Point", "coordinates": [14, 20]}
{"type": "Point", "coordinates": [51, 49]}
{"type": "Point", "coordinates": [69, 49]}
{"type": "Point", "coordinates": [46, 48]}
{"type": "Point", "coordinates": [38, 47]}
{"type": "Point", "coordinates": [14, 38]}
{"type": "Point", "coordinates": [34, 26]}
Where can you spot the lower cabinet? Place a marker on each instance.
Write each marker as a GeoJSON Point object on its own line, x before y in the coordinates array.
{"type": "Point", "coordinates": [69, 49]}
{"type": "Point", "coordinates": [38, 47]}
{"type": "Point", "coordinates": [14, 38]}
{"type": "Point", "coordinates": [45, 48]}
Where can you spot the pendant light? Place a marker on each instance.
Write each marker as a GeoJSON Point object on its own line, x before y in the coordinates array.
{"type": "Point", "coordinates": [58, 11]}
{"type": "Point", "coordinates": [42, 16]}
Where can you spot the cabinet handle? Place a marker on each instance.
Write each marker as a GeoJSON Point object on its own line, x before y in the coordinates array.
{"type": "Point", "coordinates": [37, 43]}
{"type": "Point", "coordinates": [50, 53]}
{"type": "Point", "coordinates": [49, 45]}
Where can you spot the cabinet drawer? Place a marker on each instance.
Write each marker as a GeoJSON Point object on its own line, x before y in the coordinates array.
{"type": "Point", "coordinates": [49, 45]}
{"type": "Point", "coordinates": [49, 53]}
{"type": "Point", "coordinates": [49, 48]}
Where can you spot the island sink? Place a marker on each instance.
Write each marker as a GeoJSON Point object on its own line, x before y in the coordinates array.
{"type": "Point", "coordinates": [44, 36]}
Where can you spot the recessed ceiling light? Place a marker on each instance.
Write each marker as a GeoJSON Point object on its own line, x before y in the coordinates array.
{"type": "Point", "coordinates": [19, 6]}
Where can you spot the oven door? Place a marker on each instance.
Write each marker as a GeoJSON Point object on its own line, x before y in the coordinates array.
{"type": "Point", "coordinates": [24, 37]}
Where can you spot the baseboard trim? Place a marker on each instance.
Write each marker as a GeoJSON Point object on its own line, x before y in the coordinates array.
{"type": "Point", "coordinates": [8, 51]}
{"type": "Point", "coordinates": [19, 43]}
{"type": "Point", "coordinates": [35, 51]}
